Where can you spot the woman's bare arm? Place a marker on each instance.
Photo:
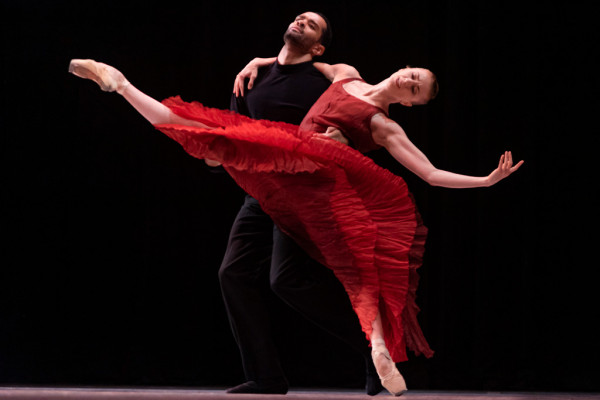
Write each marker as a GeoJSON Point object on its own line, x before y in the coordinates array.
{"type": "Point", "coordinates": [337, 72]}
{"type": "Point", "coordinates": [333, 72]}
{"type": "Point", "coordinates": [390, 135]}
{"type": "Point", "coordinates": [250, 71]}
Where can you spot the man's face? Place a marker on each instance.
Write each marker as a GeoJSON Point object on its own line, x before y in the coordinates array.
{"type": "Point", "coordinates": [306, 30]}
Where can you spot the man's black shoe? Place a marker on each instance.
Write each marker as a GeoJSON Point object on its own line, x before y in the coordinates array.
{"type": "Point", "coordinates": [253, 387]}
{"type": "Point", "coordinates": [373, 385]}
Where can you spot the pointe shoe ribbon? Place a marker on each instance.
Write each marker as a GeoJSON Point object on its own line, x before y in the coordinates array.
{"type": "Point", "coordinates": [108, 78]}
{"type": "Point", "coordinates": [393, 380]}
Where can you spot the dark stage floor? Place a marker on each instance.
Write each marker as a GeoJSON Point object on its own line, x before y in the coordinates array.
{"type": "Point", "coordinates": [89, 393]}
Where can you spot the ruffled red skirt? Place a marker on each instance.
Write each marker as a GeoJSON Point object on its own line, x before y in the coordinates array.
{"type": "Point", "coordinates": [346, 212]}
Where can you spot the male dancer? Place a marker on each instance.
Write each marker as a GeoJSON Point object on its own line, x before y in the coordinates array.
{"type": "Point", "coordinates": [284, 91]}
{"type": "Point", "coordinates": [257, 250]}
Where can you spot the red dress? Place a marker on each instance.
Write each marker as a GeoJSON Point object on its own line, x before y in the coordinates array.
{"type": "Point", "coordinates": [346, 212]}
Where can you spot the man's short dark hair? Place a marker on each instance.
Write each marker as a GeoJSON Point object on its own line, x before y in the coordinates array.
{"type": "Point", "coordinates": [327, 34]}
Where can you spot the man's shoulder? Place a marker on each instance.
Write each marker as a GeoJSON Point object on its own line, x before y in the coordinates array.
{"type": "Point", "coordinates": [307, 69]}
{"type": "Point", "coordinates": [289, 82]}
{"type": "Point", "coordinates": [263, 71]}
{"type": "Point", "coordinates": [317, 76]}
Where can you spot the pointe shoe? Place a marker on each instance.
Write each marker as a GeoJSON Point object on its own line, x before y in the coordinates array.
{"type": "Point", "coordinates": [108, 78]}
{"type": "Point", "coordinates": [393, 380]}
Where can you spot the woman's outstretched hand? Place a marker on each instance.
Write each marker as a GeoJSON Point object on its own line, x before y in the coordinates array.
{"type": "Point", "coordinates": [505, 168]}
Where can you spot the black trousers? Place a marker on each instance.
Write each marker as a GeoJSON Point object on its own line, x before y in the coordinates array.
{"type": "Point", "coordinates": [257, 251]}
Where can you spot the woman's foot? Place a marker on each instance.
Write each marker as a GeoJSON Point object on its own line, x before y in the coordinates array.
{"type": "Point", "coordinates": [391, 379]}
{"type": "Point", "coordinates": [110, 79]}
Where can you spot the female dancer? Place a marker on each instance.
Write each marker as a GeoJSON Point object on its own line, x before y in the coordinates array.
{"type": "Point", "coordinates": [346, 212]}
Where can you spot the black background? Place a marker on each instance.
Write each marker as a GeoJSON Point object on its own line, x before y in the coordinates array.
{"type": "Point", "coordinates": [113, 235]}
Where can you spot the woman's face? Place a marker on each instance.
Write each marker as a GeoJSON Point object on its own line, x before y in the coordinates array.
{"type": "Point", "coordinates": [412, 86]}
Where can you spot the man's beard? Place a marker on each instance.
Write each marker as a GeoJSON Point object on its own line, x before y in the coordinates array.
{"type": "Point", "coordinates": [297, 40]}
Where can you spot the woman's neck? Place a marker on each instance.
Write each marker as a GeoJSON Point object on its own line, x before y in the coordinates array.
{"type": "Point", "coordinates": [378, 94]}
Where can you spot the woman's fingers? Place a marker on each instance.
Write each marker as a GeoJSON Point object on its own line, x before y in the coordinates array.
{"type": "Point", "coordinates": [506, 163]}
{"type": "Point", "coordinates": [516, 167]}
{"type": "Point", "coordinates": [252, 78]}
{"type": "Point", "coordinates": [236, 86]}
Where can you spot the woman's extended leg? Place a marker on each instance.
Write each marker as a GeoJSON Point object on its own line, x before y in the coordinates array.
{"type": "Point", "coordinates": [112, 80]}
{"type": "Point", "coordinates": [386, 368]}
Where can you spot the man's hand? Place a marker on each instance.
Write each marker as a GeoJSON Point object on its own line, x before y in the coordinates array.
{"type": "Point", "coordinates": [211, 163]}
{"type": "Point", "coordinates": [335, 134]}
